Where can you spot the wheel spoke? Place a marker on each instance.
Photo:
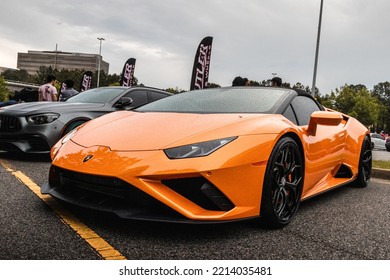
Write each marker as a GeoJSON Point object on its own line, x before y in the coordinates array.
{"type": "Point", "coordinates": [280, 199]}
{"type": "Point", "coordinates": [293, 187]}
{"type": "Point", "coordinates": [367, 155]}
{"type": "Point", "coordinates": [287, 178]}
{"type": "Point", "coordinates": [367, 163]}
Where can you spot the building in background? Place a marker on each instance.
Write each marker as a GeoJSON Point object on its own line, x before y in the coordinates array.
{"type": "Point", "coordinates": [33, 60]}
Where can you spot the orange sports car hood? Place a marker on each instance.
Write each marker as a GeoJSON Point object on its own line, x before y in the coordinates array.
{"type": "Point", "coordinates": [132, 131]}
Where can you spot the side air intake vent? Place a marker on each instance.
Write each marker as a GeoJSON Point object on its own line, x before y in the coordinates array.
{"type": "Point", "coordinates": [201, 192]}
{"type": "Point", "coordinates": [344, 172]}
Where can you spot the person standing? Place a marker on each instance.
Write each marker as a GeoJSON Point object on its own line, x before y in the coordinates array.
{"type": "Point", "coordinates": [69, 91]}
{"type": "Point", "coordinates": [48, 91]}
{"type": "Point", "coordinates": [238, 81]}
{"type": "Point", "coordinates": [276, 82]}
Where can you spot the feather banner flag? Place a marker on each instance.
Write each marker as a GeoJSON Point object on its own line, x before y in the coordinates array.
{"type": "Point", "coordinates": [200, 71]}
{"type": "Point", "coordinates": [127, 76]}
{"type": "Point", "coordinates": [86, 81]}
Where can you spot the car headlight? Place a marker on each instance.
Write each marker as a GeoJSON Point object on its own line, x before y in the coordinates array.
{"type": "Point", "coordinates": [68, 136]}
{"type": "Point", "coordinates": [57, 147]}
{"type": "Point", "coordinates": [198, 149]}
{"type": "Point", "coordinates": [42, 118]}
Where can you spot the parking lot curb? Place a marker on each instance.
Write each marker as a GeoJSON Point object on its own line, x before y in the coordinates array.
{"type": "Point", "coordinates": [380, 173]}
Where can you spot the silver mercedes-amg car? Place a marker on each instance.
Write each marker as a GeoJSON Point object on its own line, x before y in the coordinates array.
{"type": "Point", "coordinates": [34, 127]}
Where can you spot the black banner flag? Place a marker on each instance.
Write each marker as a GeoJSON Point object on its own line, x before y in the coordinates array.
{"type": "Point", "coordinates": [63, 87]}
{"type": "Point", "coordinates": [200, 71]}
{"type": "Point", "coordinates": [86, 81]}
{"type": "Point", "coordinates": [127, 77]}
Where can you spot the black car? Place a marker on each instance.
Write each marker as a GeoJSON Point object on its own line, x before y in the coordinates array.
{"type": "Point", "coordinates": [34, 127]}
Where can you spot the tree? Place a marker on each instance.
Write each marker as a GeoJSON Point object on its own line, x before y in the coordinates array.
{"type": "Point", "coordinates": [254, 83]}
{"type": "Point", "coordinates": [114, 79]}
{"type": "Point", "coordinates": [298, 85]}
{"type": "Point", "coordinates": [107, 80]}
{"type": "Point", "coordinates": [357, 101]}
{"type": "Point", "coordinates": [3, 90]}
{"type": "Point", "coordinates": [43, 71]}
{"type": "Point", "coordinates": [174, 90]}
{"type": "Point", "coordinates": [76, 76]}
{"type": "Point", "coordinates": [382, 92]}
{"type": "Point", "coordinates": [328, 100]}
{"type": "Point", "coordinates": [16, 75]}
{"type": "Point", "coordinates": [213, 85]}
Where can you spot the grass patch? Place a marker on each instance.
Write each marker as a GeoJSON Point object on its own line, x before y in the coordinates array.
{"type": "Point", "coordinates": [383, 164]}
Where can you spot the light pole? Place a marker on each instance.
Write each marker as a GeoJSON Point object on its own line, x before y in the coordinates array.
{"type": "Point", "coordinates": [55, 58]}
{"type": "Point", "coordinates": [100, 59]}
{"type": "Point", "coordinates": [313, 88]}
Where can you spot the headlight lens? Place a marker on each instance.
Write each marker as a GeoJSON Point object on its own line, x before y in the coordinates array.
{"type": "Point", "coordinates": [57, 147]}
{"type": "Point", "coordinates": [198, 149]}
{"type": "Point", "coordinates": [42, 118]}
{"type": "Point", "coordinates": [68, 136]}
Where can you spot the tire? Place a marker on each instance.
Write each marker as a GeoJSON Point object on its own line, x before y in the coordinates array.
{"type": "Point", "coordinates": [365, 164]}
{"type": "Point", "coordinates": [72, 126]}
{"type": "Point", "coordinates": [283, 182]}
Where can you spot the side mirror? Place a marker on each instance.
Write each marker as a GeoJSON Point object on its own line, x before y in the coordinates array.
{"type": "Point", "coordinates": [124, 101]}
{"type": "Point", "coordinates": [323, 118]}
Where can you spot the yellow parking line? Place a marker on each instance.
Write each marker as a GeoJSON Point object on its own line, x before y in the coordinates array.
{"type": "Point", "coordinates": [102, 247]}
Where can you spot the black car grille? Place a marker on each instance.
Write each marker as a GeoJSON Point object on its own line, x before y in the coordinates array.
{"type": "Point", "coordinates": [9, 124]}
{"type": "Point", "coordinates": [100, 186]}
{"type": "Point", "coordinates": [35, 142]}
{"type": "Point", "coordinates": [197, 189]}
{"type": "Point", "coordinates": [108, 186]}
{"type": "Point", "coordinates": [107, 194]}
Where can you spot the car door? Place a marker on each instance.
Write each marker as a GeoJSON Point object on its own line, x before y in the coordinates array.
{"type": "Point", "coordinates": [323, 149]}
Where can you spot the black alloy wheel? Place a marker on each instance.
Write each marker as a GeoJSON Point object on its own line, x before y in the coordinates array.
{"type": "Point", "coordinates": [365, 164]}
{"type": "Point", "coordinates": [283, 184]}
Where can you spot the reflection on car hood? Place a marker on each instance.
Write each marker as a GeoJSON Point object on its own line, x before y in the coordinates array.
{"type": "Point", "coordinates": [132, 131]}
{"type": "Point", "coordinates": [40, 107]}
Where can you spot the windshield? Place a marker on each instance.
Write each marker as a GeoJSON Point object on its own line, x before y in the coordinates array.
{"type": "Point", "coordinates": [97, 95]}
{"type": "Point", "coordinates": [221, 100]}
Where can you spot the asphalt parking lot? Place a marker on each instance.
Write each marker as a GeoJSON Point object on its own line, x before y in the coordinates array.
{"type": "Point", "coordinates": [345, 224]}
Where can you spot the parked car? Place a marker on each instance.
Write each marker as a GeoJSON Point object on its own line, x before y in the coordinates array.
{"type": "Point", "coordinates": [7, 103]}
{"type": "Point", "coordinates": [34, 127]}
{"type": "Point", "coordinates": [378, 142]}
{"type": "Point", "coordinates": [387, 145]}
{"type": "Point", "coordinates": [211, 155]}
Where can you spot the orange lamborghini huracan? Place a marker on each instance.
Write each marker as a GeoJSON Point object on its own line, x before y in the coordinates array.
{"type": "Point", "coordinates": [211, 155]}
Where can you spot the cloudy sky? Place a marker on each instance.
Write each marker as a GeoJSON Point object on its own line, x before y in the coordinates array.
{"type": "Point", "coordinates": [251, 38]}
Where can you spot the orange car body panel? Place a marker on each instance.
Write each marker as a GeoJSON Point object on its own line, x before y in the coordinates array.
{"type": "Point", "coordinates": [136, 155]}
